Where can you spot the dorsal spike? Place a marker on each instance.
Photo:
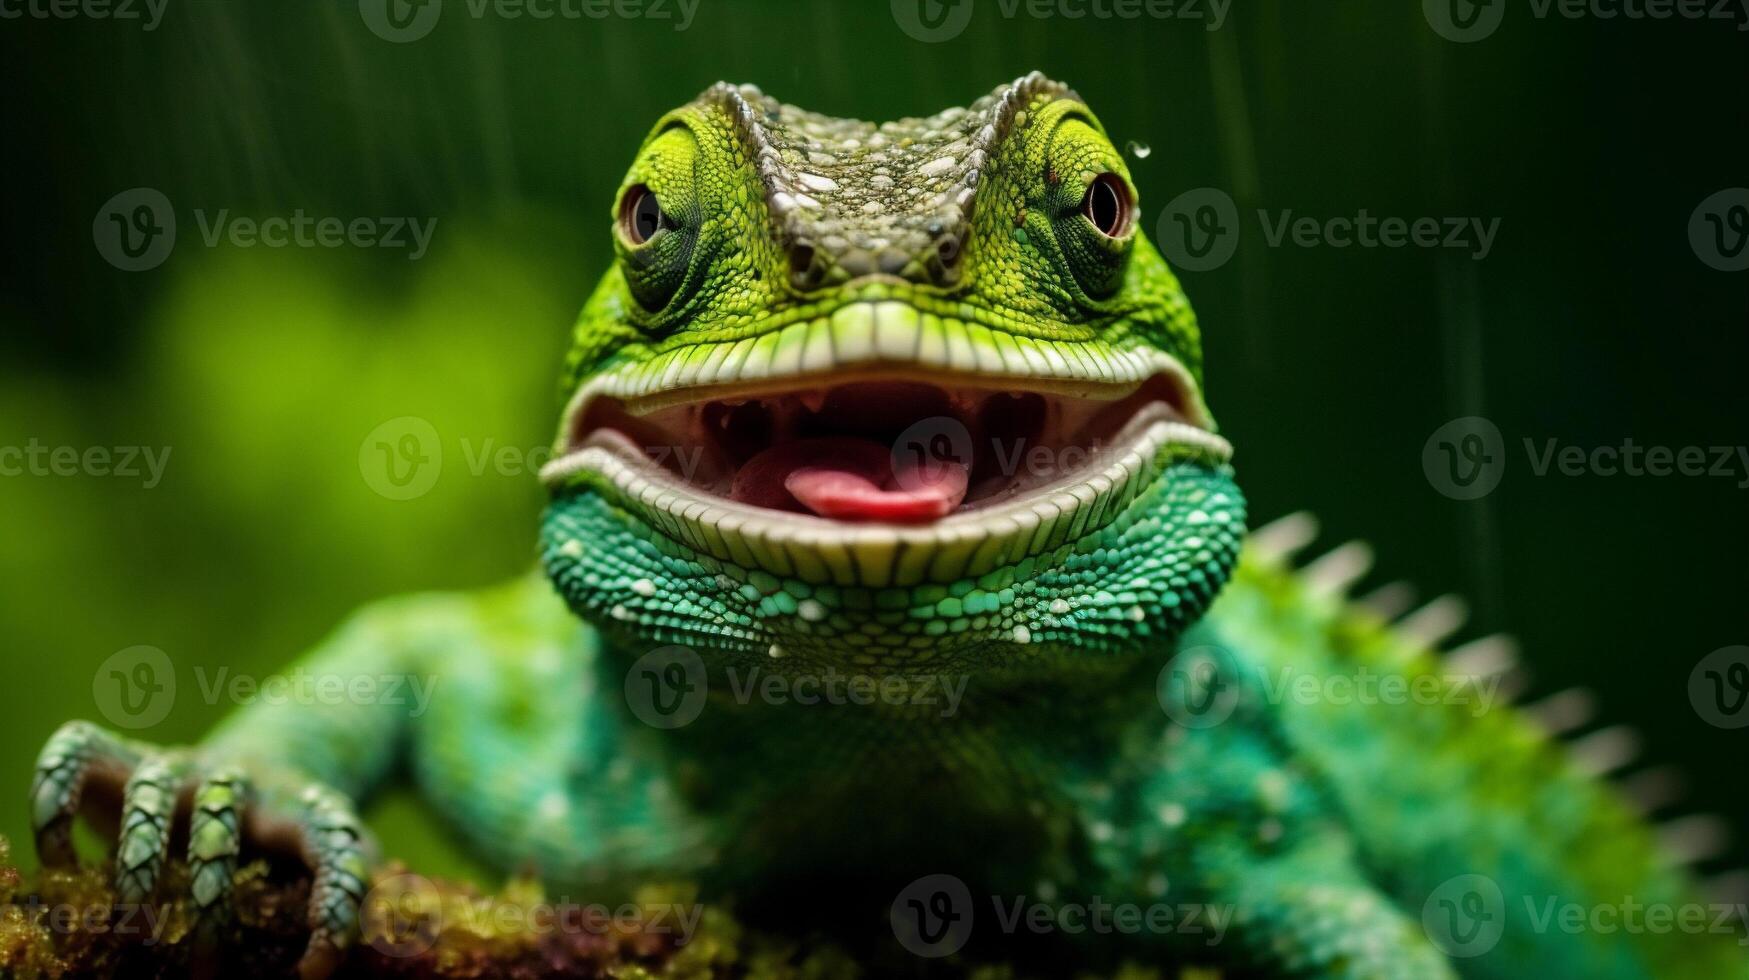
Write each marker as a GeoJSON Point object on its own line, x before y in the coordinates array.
{"type": "Point", "coordinates": [1605, 750]}
{"type": "Point", "coordinates": [1435, 622]}
{"type": "Point", "coordinates": [1563, 712]}
{"type": "Point", "coordinates": [1730, 888]}
{"type": "Point", "coordinates": [1513, 683]}
{"type": "Point", "coordinates": [1687, 840]}
{"type": "Point", "coordinates": [1389, 601]}
{"type": "Point", "coordinates": [1489, 656]}
{"type": "Point", "coordinates": [1335, 572]}
{"type": "Point", "coordinates": [1651, 790]}
{"type": "Point", "coordinates": [1282, 538]}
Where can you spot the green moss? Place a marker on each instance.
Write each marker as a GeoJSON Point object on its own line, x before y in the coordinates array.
{"type": "Point", "coordinates": [65, 924]}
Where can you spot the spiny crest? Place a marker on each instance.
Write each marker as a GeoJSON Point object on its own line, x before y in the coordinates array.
{"type": "Point", "coordinates": [1564, 716]}
{"type": "Point", "coordinates": [851, 198]}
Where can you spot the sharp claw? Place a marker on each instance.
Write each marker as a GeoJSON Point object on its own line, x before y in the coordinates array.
{"type": "Point", "coordinates": [321, 957]}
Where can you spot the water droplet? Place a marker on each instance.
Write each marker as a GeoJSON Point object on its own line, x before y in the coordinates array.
{"type": "Point", "coordinates": [1138, 150]}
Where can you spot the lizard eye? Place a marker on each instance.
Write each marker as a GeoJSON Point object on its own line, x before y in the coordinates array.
{"type": "Point", "coordinates": [1108, 206]}
{"type": "Point", "coordinates": [641, 216]}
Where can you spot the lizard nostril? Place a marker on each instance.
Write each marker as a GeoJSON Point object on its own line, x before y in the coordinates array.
{"type": "Point", "coordinates": [806, 269]}
{"type": "Point", "coordinates": [944, 260]}
{"type": "Point", "coordinates": [949, 250]}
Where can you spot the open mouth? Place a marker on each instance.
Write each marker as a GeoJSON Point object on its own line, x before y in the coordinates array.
{"type": "Point", "coordinates": [882, 450]}
{"type": "Point", "coordinates": [878, 455]}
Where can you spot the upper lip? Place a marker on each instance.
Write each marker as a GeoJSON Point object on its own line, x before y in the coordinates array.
{"type": "Point", "coordinates": [889, 338]}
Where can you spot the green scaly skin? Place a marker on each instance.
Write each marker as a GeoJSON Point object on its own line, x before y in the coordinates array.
{"type": "Point", "coordinates": [1073, 768]}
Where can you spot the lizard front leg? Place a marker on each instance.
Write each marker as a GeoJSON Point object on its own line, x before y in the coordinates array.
{"type": "Point", "coordinates": [275, 778]}
{"type": "Point", "coordinates": [535, 757]}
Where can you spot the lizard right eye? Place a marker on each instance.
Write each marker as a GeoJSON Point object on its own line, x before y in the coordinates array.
{"type": "Point", "coordinates": [641, 215]}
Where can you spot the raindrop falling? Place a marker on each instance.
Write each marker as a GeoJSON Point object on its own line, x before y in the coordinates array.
{"type": "Point", "coordinates": [1138, 150]}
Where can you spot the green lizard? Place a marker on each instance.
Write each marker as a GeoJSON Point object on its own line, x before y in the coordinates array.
{"type": "Point", "coordinates": [890, 502]}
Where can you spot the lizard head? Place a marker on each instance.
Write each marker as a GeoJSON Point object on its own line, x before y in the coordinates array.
{"type": "Point", "coordinates": [872, 396]}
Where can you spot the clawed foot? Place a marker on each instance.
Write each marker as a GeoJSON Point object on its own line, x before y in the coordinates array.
{"type": "Point", "coordinates": [222, 808]}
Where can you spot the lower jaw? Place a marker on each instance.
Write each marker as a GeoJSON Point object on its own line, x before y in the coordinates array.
{"type": "Point", "coordinates": [1135, 582]}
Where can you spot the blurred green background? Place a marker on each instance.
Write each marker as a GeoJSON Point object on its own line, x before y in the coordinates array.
{"type": "Point", "coordinates": [263, 370]}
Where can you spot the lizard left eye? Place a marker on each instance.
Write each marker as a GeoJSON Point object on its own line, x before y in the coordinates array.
{"type": "Point", "coordinates": [1107, 205]}
{"type": "Point", "coordinates": [641, 215]}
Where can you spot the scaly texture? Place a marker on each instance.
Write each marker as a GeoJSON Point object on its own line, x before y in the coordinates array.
{"type": "Point", "coordinates": [1038, 697]}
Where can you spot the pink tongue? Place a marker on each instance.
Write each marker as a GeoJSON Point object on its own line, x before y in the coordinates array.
{"type": "Point", "coordinates": [851, 479]}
